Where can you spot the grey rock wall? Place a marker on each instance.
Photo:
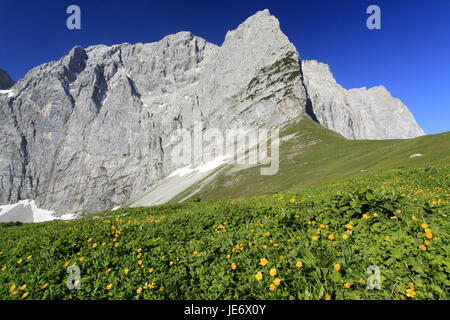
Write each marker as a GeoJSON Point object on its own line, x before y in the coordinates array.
{"type": "Point", "coordinates": [356, 113]}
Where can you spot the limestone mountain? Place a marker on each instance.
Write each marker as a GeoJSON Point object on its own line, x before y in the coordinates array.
{"type": "Point", "coordinates": [357, 113]}
{"type": "Point", "coordinates": [96, 128]}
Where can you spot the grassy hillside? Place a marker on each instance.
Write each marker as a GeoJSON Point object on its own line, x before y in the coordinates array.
{"type": "Point", "coordinates": [305, 244]}
{"type": "Point", "coordinates": [316, 156]}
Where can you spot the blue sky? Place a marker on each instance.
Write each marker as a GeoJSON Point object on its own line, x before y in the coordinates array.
{"type": "Point", "coordinates": [410, 55]}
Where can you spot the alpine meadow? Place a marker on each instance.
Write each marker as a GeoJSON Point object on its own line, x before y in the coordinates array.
{"type": "Point", "coordinates": [343, 196]}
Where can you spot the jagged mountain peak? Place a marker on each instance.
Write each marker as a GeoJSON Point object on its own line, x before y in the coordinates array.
{"type": "Point", "coordinates": [260, 25]}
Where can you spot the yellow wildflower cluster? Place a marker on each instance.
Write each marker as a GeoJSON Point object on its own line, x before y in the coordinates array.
{"type": "Point", "coordinates": [410, 291]}
{"type": "Point", "coordinates": [220, 228]}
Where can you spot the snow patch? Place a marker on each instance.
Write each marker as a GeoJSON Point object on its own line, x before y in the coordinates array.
{"type": "Point", "coordinates": [205, 167]}
{"type": "Point", "coordinates": [416, 155]}
{"type": "Point", "coordinates": [177, 182]}
{"type": "Point", "coordinates": [10, 93]}
{"type": "Point", "coordinates": [28, 211]}
{"type": "Point", "coordinates": [181, 172]}
{"type": "Point", "coordinates": [105, 97]}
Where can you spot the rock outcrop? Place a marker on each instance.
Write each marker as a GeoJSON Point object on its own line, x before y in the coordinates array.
{"type": "Point", "coordinates": [356, 113]}
{"type": "Point", "coordinates": [96, 128]}
{"type": "Point", "coordinates": [5, 80]}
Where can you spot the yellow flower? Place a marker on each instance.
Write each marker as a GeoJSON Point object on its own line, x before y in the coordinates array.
{"type": "Point", "coordinates": [103, 244]}
{"type": "Point", "coordinates": [331, 237]}
{"type": "Point", "coordinates": [23, 287]}
{"type": "Point", "coordinates": [425, 226]}
{"type": "Point", "coordinates": [427, 242]}
{"type": "Point", "coordinates": [14, 293]}
{"type": "Point", "coordinates": [170, 263]}
{"type": "Point", "coordinates": [272, 287]}
{"type": "Point", "coordinates": [94, 245]}
{"type": "Point", "coordinates": [90, 239]}
{"type": "Point", "coordinates": [116, 244]}
{"type": "Point", "coordinates": [139, 250]}
{"type": "Point", "coordinates": [422, 247]}
{"type": "Point", "coordinates": [328, 297]}
{"type": "Point", "coordinates": [299, 264]}
{"type": "Point", "coordinates": [414, 218]}
{"type": "Point", "coordinates": [398, 211]}
{"type": "Point", "coordinates": [4, 268]}
{"type": "Point", "coordinates": [347, 285]}
{"type": "Point", "coordinates": [349, 232]}
{"type": "Point", "coordinates": [337, 267]}
{"type": "Point", "coordinates": [258, 276]}
{"type": "Point", "coordinates": [149, 286]}
{"type": "Point", "coordinates": [276, 282]}
{"type": "Point", "coordinates": [108, 287]}
{"type": "Point", "coordinates": [268, 234]}
{"type": "Point", "coordinates": [344, 236]}
{"type": "Point", "coordinates": [233, 266]}
{"type": "Point", "coordinates": [44, 286]}
{"type": "Point", "coordinates": [29, 257]}
{"type": "Point", "coordinates": [264, 246]}
{"type": "Point", "coordinates": [81, 259]}
{"type": "Point", "coordinates": [140, 262]}
{"type": "Point", "coordinates": [314, 238]}
{"type": "Point", "coordinates": [126, 271]}
{"type": "Point", "coordinates": [20, 261]}
{"type": "Point", "coordinates": [387, 239]}
{"type": "Point", "coordinates": [366, 216]}
{"type": "Point", "coordinates": [410, 292]}
{"type": "Point", "coordinates": [108, 271]}
{"type": "Point", "coordinates": [263, 261]}
{"type": "Point", "coordinates": [150, 270]}
{"type": "Point", "coordinates": [25, 295]}
{"type": "Point", "coordinates": [429, 235]}
{"type": "Point", "coordinates": [292, 200]}
{"type": "Point", "coordinates": [273, 272]}
{"type": "Point", "coordinates": [375, 215]}
{"type": "Point", "coordinates": [66, 264]}
{"type": "Point", "coordinates": [12, 287]}
{"type": "Point", "coordinates": [139, 290]}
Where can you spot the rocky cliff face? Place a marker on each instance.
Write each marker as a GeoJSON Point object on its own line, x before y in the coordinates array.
{"type": "Point", "coordinates": [5, 80]}
{"type": "Point", "coordinates": [357, 113]}
{"type": "Point", "coordinates": [94, 129]}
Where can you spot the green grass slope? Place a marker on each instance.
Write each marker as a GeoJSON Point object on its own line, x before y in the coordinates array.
{"type": "Point", "coordinates": [317, 156]}
{"type": "Point", "coordinates": [304, 244]}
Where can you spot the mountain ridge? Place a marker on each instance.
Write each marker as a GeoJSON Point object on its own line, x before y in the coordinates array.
{"type": "Point", "coordinates": [96, 128]}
